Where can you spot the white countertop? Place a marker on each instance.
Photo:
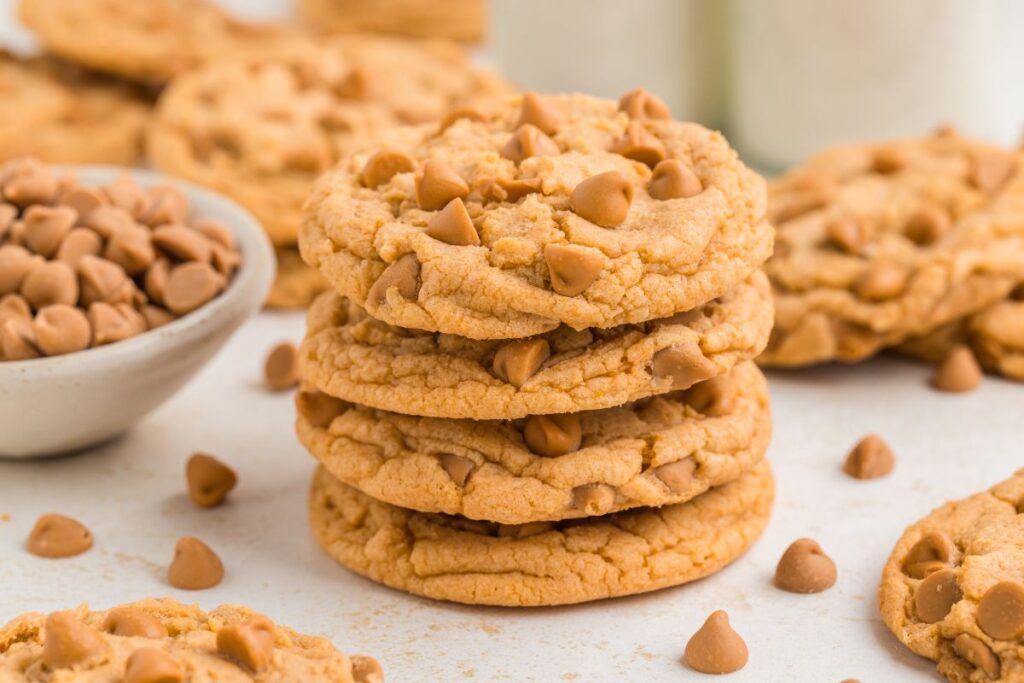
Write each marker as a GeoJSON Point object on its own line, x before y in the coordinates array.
{"type": "Point", "coordinates": [131, 494]}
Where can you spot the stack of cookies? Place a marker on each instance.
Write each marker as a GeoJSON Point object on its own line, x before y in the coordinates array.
{"type": "Point", "coordinates": [532, 384]}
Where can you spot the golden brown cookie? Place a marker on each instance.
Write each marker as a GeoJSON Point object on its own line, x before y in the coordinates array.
{"type": "Point", "coordinates": [452, 558]}
{"type": "Point", "coordinates": [296, 284]}
{"type": "Point", "coordinates": [261, 130]}
{"type": "Point", "coordinates": [654, 452]}
{"type": "Point", "coordinates": [165, 640]}
{"type": "Point", "coordinates": [953, 588]}
{"type": "Point", "coordinates": [463, 20]}
{"type": "Point", "coordinates": [352, 356]}
{"type": "Point", "coordinates": [880, 243]}
{"type": "Point", "coordinates": [546, 213]}
{"type": "Point", "coordinates": [59, 114]}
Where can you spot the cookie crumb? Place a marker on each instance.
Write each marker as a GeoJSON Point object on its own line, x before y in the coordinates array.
{"type": "Point", "coordinates": [209, 480]}
{"type": "Point", "coordinates": [281, 368]}
{"type": "Point", "coordinates": [716, 648]}
{"type": "Point", "coordinates": [55, 536]}
{"type": "Point", "coordinates": [805, 568]}
{"type": "Point", "coordinates": [195, 566]}
{"type": "Point", "coordinates": [871, 458]}
{"type": "Point", "coordinates": [958, 372]}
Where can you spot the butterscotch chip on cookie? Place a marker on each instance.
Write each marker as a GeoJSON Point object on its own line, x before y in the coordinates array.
{"type": "Point", "coordinates": [952, 590]}
{"type": "Point", "coordinates": [166, 641]}
{"type": "Point", "coordinates": [453, 558]}
{"type": "Point", "coordinates": [351, 355]}
{"type": "Point", "coordinates": [571, 230]}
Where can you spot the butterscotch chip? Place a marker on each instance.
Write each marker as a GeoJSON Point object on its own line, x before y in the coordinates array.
{"type": "Point", "coordinates": [83, 200]}
{"type": "Point", "coordinates": [215, 231]}
{"type": "Point", "coordinates": [384, 165]}
{"type": "Point", "coordinates": [539, 112]}
{"type": "Point", "coordinates": [640, 104]}
{"type": "Point", "coordinates": [716, 648]}
{"type": "Point", "coordinates": [155, 316]}
{"type": "Point", "coordinates": [131, 248]}
{"type": "Point", "coordinates": [8, 215]}
{"type": "Point", "coordinates": [932, 552]}
{"type": "Point", "coordinates": [183, 243]}
{"type": "Point", "coordinates": [403, 275]}
{"type": "Point", "coordinates": [14, 306]}
{"type": "Point", "coordinates": [133, 623]}
{"type": "Point", "coordinates": [936, 595]}
{"type": "Point", "coordinates": [458, 467]}
{"type": "Point", "coordinates": [572, 268]}
{"type": "Point", "coordinates": [15, 264]}
{"type": "Point", "coordinates": [78, 243]}
{"type": "Point", "coordinates": [156, 279]}
{"type": "Point", "coordinates": [150, 665]}
{"type": "Point", "coordinates": [978, 654]}
{"type": "Point", "coordinates": [31, 184]}
{"type": "Point", "coordinates": [673, 180]}
{"type": "Point", "coordinates": [281, 368]}
{"type": "Point", "coordinates": [524, 530]}
{"type": "Point", "coordinates": [108, 324]}
{"type": "Point", "coordinates": [870, 458]}
{"type": "Point", "coordinates": [209, 480]}
{"type": "Point", "coordinates": [124, 193]}
{"type": "Point", "coordinates": [882, 280]}
{"type": "Point", "coordinates": [106, 220]}
{"type": "Point", "coordinates": [928, 225]}
{"type": "Point", "coordinates": [47, 226]}
{"type": "Point", "coordinates": [164, 205]}
{"type": "Point", "coordinates": [437, 185]}
{"type": "Point", "coordinates": [639, 145]}
{"type": "Point", "coordinates": [452, 225]}
{"type": "Point", "coordinates": [805, 568]}
{"type": "Point", "coordinates": [18, 339]}
{"type": "Point", "coordinates": [553, 435]}
{"type": "Point", "coordinates": [603, 199]}
{"type": "Point", "coordinates": [714, 397]}
{"type": "Point", "coordinates": [366, 670]}
{"type": "Point", "coordinates": [886, 160]}
{"type": "Point", "coordinates": [103, 281]}
{"type": "Point", "coordinates": [517, 361]}
{"type": "Point", "coordinates": [251, 645]}
{"type": "Point", "coordinates": [1001, 611]}
{"type": "Point", "coordinates": [593, 499]}
{"type": "Point", "coordinates": [677, 476]}
{"type": "Point", "coordinates": [195, 566]}
{"type": "Point", "coordinates": [53, 282]}
{"type": "Point", "coordinates": [958, 372]}
{"type": "Point", "coordinates": [69, 643]}
{"type": "Point", "coordinates": [468, 113]}
{"type": "Point", "coordinates": [505, 190]}
{"type": "Point", "coordinates": [684, 363]}
{"type": "Point", "coordinates": [991, 170]}
{"type": "Point", "coordinates": [56, 536]}
{"type": "Point", "coordinates": [61, 329]}
{"type": "Point", "coordinates": [848, 234]}
{"type": "Point", "coordinates": [191, 285]}
{"type": "Point", "coordinates": [528, 141]}
{"type": "Point", "coordinates": [318, 408]}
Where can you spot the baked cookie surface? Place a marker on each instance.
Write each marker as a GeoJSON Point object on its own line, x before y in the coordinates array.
{"type": "Point", "coordinates": [352, 356]}
{"type": "Point", "coordinates": [953, 588]}
{"type": "Point", "coordinates": [464, 20]}
{"type": "Point", "coordinates": [451, 558]}
{"type": "Point", "coordinates": [504, 225]}
{"type": "Point", "coordinates": [58, 114]}
{"type": "Point", "coordinates": [880, 243]}
{"type": "Point", "coordinates": [296, 285]}
{"type": "Point", "coordinates": [230, 644]}
{"type": "Point", "coordinates": [659, 451]}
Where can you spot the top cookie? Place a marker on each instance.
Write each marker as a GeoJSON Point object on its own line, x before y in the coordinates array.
{"type": "Point", "coordinates": [953, 588]}
{"type": "Point", "coordinates": [506, 225]}
{"type": "Point", "coordinates": [879, 243]}
{"type": "Point", "coordinates": [153, 640]}
{"type": "Point", "coordinates": [262, 129]}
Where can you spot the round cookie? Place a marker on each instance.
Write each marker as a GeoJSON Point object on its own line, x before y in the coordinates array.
{"type": "Point", "coordinates": [352, 356]}
{"type": "Point", "coordinates": [482, 563]}
{"type": "Point", "coordinates": [57, 113]}
{"type": "Point", "coordinates": [231, 644]}
{"type": "Point", "coordinates": [659, 451]}
{"type": "Point", "coordinates": [296, 285]}
{"type": "Point", "coordinates": [464, 20]}
{"type": "Point", "coordinates": [261, 130]}
{"type": "Point", "coordinates": [880, 243]}
{"type": "Point", "coordinates": [953, 588]}
{"type": "Point", "coordinates": [504, 226]}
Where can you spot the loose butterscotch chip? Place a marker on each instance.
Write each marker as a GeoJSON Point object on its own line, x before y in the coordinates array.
{"type": "Point", "coordinates": [155, 316]}
{"type": "Point", "coordinates": [991, 170]}
{"type": "Point", "coordinates": [209, 480]}
{"type": "Point", "coordinates": [927, 225]}
{"type": "Point", "coordinates": [61, 329]}
{"type": "Point", "coordinates": [437, 185]}
{"type": "Point", "coordinates": [191, 285]}
{"type": "Point", "coordinates": [106, 220]}
{"type": "Point", "coordinates": [640, 104]}
{"type": "Point", "coordinates": [216, 231]}
{"type": "Point", "coordinates": [30, 186]}
{"type": "Point", "coordinates": [150, 665]}
{"type": "Point", "coordinates": [156, 279]}
{"type": "Point", "coordinates": [639, 145]}
{"type": "Point", "coordinates": [1001, 611]}
{"type": "Point", "coordinates": [677, 476]}
{"type": "Point", "coordinates": [15, 265]}
{"type": "Point", "coordinates": [593, 499]}
{"type": "Point", "coordinates": [539, 112]}
{"type": "Point", "coordinates": [68, 642]}
{"type": "Point", "coordinates": [58, 536]}
{"type": "Point", "coordinates": [251, 645]}
{"type": "Point", "coordinates": [195, 566]}
{"type": "Point", "coordinates": [518, 361]}
{"type": "Point", "coordinates": [14, 306]}
{"type": "Point", "coordinates": [882, 280]}
{"type": "Point", "coordinates": [402, 275]}
{"type": "Point", "coordinates": [132, 249]}
{"type": "Point", "coordinates": [848, 234]}
{"type": "Point", "coordinates": [672, 180]}
{"type": "Point", "coordinates": [553, 435]}
{"type": "Point", "coordinates": [458, 467]}
{"type": "Point", "coordinates": [603, 199]}
{"type": "Point", "coordinates": [936, 595]}
{"type": "Point", "coordinates": [164, 205]}
{"type": "Point", "coordinates": [528, 141]}
{"type": "Point", "coordinates": [281, 368]}
{"type": "Point", "coordinates": [932, 552]}
{"type": "Point", "coordinates": [18, 339]}
{"type": "Point", "coordinates": [78, 243]}
{"type": "Point", "coordinates": [182, 243]}
{"type": "Point", "coordinates": [716, 648]}
{"type": "Point", "coordinates": [108, 325]}
{"type": "Point", "coordinates": [53, 282]}
{"type": "Point", "coordinates": [318, 408]}
{"type": "Point", "coordinates": [452, 225]}
{"type": "Point", "coordinates": [805, 568]}
{"type": "Point", "coordinates": [384, 165]}
{"type": "Point", "coordinates": [684, 363]}
{"type": "Point", "coordinates": [83, 200]}
{"type": "Point", "coordinates": [870, 458]}
{"type": "Point", "coordinates": [102, 280]}
{"type": "Point", "coordinates": [958, 372]}
{"type": "Point", "coordinates": [977, 654]}
{"type": "Point", "coordinates": [47, 226]}
{"type": "Point", "coordinates": [366, 670]}
{"type": "Point", "coordinates": [133, 623]}
{"type": "Point", "coordinates": [468, 113]}
{"type": "Point", "coordinates": [572, 268]}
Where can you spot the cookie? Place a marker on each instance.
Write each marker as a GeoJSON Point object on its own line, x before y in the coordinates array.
{"type": "Point", "coordinates": [952, 589]}
{"type": "Point", "coordinates": [261, 130]}
{"type": "Point", "coordinates": [296, 285]}
{"type": "Point", "coordinates": [138, 641]}
{"type": "Point", "coordinates": [352, 356]}
{"type": "Point", "coordinates": [57, 113]}
{"type": "Point", "coordinates": [463, 20]}
{"type": "Point", "coordinates": [547, 212]}
{"type": "Point", "coordinates": [482, 563]}
{"type": "Point", "coordinates": [654, 452]}
{"type": "Point", "coordinates": [880, 243]}
{"type": "Point", "coordinates": [147, 42]}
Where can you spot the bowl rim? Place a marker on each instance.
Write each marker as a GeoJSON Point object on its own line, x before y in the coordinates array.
{"type": "Point", "coordinates": [255, 273]}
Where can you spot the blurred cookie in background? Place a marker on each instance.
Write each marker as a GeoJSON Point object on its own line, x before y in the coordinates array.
{"type": "Point", "coordinates": [462, 20]}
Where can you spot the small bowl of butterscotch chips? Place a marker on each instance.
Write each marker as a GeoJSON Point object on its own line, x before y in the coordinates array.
{"type": "Point", "coordinates": [116, 287]}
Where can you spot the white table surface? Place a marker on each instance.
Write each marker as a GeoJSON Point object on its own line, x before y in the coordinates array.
{"type": "Point", "coordinates": [131, 494]}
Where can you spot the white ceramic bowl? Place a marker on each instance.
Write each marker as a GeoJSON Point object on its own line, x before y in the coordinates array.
{"type": "Point", "coordinates": [67, 403]}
